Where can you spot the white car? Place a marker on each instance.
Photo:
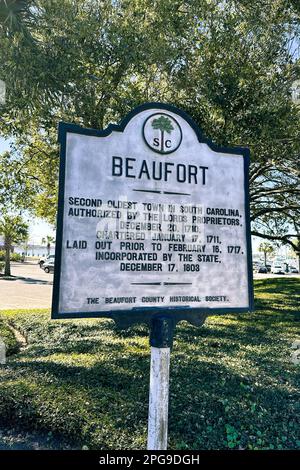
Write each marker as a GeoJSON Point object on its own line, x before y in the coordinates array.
{"type": "Point", "coordinates": [48, 266]}
{"type": "Point", "coordinates": [45, 259]}
{"type": "Point", "coordinates": [278, 269]}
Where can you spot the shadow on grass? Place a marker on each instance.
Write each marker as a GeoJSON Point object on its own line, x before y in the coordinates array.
{"type": "Point", "coordinates": [17, 439]}
{"type": "Point", "coordinates": [203, 395]}
{"type": "Point", "coordinates": [117, 376]}
{"type": "Point", "coordinates": [81, 346]}
{"type": "Point", "coordinates": [284, 286]}
{"type": "Point", "coordinates": [232, 371]}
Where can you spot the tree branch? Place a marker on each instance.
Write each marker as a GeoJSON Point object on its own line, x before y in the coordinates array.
{"type": "Point", "coordinates": [273, 209]}
{"type": "Point", "coordinates": [283, 238]}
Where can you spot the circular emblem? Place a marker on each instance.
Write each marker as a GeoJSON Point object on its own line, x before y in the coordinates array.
{"type": "Point", "coordinates": [162, 133]}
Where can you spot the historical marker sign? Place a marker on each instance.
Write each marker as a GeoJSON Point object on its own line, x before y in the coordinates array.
{"type": "Point", "coordinates": [152, 218]}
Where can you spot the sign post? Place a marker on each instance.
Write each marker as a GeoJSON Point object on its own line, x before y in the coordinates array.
{"type": "Point", "coordinates": [153, 227]}
{"type": "Point", "coordinates": [161, 339]}
{"type": "Point", "coordinates": [158, 399]}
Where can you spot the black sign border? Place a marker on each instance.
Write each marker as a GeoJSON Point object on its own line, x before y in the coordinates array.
{"type": "Point", "coordinates": [125, 318]}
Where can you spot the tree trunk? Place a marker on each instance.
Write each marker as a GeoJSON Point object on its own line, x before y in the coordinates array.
{"type": "Point", "coordinates": [48, 248]}
{"type": "Point", "coordinates": [265, 253]}
{"type": "Point", "coordinates": [7, 258]}
{"type": "Point", "coordinates": [162, 141]}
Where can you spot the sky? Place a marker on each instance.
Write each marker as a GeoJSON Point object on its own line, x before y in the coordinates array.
{"type": "Point", "coordinates": [39, 229]}
{"type": "Point", "coordinates": [4, 144]}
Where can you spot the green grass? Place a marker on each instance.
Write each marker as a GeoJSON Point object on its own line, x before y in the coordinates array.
{"type": "Point", "coordinates": [233, 384]}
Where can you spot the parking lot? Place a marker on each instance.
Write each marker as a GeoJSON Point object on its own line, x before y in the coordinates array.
{"type": "Point", "coordinates": [265, 276]}
{"type": "Point", "coordinates": [31, 288]}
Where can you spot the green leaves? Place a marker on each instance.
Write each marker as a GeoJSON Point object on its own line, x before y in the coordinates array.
{"type": "Point", "coordinates": [14, 14]}
{"type": "Point", "coordinates": [232, 436]}
{"type": "Point", "coordinates": [13, 228]}
{"type": "Point", "coordinates": [229, 64]}
{"type": "Point", "coordinates": [163, 124]}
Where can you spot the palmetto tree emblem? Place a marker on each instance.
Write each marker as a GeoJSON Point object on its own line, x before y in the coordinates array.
{"type": "Point", "coordinates": [163, 124]}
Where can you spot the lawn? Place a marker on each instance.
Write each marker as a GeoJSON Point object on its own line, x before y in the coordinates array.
{"type": "Point", "coordinates": [83, 383]}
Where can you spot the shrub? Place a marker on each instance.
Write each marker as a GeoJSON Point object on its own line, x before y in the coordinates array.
{"type": "Point", "coordinates": [13, 256]}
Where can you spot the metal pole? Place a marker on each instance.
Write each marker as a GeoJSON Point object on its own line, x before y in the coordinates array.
{"type": "Point", "coordinates": [158, 399]}
{"type": "Point", "coordinates": [161, 336]}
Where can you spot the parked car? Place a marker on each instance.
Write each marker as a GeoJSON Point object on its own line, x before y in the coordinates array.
{"type": "Point", "coordinates": [256, 265]}
{"type": "Point", "coordinates": [263, 269]}
{"type": "Point", "coordinates": [45, 259]}
{"type": "Point", "coordinates": [48, 266]}
{"type": "Point", "coordinates": [278, 269]}
{"type": "Point", "coordinates": [293, 270]}
{"type": "Point", "coordinates": [269, 266]}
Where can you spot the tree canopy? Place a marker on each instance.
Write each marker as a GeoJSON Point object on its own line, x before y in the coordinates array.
{"type": "Point", "coordinates": [230, 65]}
{"type": "Point", "coordinates": [14, 230]}
{"type": "Point", "coordinates": [267, 249]}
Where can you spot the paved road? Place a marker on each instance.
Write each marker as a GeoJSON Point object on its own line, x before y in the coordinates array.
{"type": "Point", "coordinates": [269, 275]}
{"type": "Point", "coordinates": [32, 288]}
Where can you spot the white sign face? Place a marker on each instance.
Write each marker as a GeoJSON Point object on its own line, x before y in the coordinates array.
{"type": "Point", "coordinates": [151, 216]}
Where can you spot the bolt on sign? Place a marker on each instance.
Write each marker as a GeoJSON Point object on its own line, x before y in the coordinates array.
{"type": "Point", "coordinates": [153, 218]}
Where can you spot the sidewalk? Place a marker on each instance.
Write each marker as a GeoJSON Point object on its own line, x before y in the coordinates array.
{"type": "Point", "coordinates": [31, 289]}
